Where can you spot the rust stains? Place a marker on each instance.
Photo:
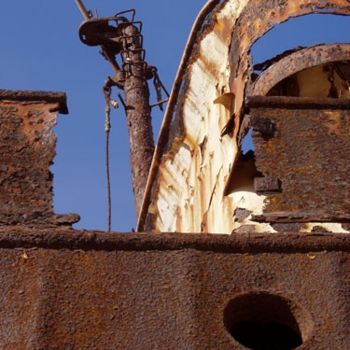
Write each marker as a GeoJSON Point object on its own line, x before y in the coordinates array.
{"type": "Point", "coordinates": [64, 289]}
{"type": "Point", "coordinates": [313, 183]}
{"type": "Point", "coordinates": [27, 149]}
{"type": "Point", "coordinates": [300, 62]}
{"type": "Point", "coordinates": [217, 62]}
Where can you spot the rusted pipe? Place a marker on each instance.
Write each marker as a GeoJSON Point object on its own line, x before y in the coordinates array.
{"type": "Point", "coordinates": [138, 112]}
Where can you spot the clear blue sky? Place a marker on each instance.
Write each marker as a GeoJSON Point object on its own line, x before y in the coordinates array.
{"type": "Point", "coordinates": [41, 51]}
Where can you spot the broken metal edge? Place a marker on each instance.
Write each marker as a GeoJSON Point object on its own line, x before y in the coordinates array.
{"type": "Point", "coordinates": [288, 102]}
{"type": "Point", "coordinates": [301, 217]}
{"type": "Point", "coordinates": [59, 98]}
{"type": "Point", "coordinates": [198, 25]}
{"type": "Point", "coordinates": [25, 238]}
{"type": "Point", "coordinates": [297, 61]}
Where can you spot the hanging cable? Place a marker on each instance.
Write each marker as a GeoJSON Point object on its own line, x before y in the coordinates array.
{"type": "Point", "coordinates": [121, 41]}
{"type": "Point", "coordinates": [107, 93]}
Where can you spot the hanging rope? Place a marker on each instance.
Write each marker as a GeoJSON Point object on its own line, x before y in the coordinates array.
{"type": "Point", "coordinates": [121, 41]}
{"type": "Point", "coordinates": [107, 93]}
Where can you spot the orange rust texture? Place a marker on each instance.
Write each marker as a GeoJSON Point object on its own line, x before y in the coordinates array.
{"type": "Point", "coordinates": [309, 154]}
{"type": "Point", "coordinates": [88, 290]}
{"type": "Point", "coordinates": [27, 150]}
{"type": "Point", "coordinates": [255, 20]}
{"type": "Point", "coordinates": [304, 63]}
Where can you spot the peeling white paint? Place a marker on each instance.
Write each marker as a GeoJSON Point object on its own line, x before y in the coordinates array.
{"type": "Point", "coordinates": [188, 195]}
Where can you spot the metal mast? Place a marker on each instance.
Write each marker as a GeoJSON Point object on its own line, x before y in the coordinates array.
{"type": "Point", "coordinates": [120, 38]}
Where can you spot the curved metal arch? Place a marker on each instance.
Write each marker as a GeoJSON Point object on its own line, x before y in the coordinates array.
{"type": "Point", "coordinates": [256, 19]}
{"type": "Point", "coordinates": [253, 19]}
{"type": "Point", "coordinates": [296, 62]}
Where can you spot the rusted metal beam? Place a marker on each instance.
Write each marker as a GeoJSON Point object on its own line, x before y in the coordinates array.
{"type": "Point", "coordinates": [59, 98]}
{"type": "Point", "coordinates": [68, 240]}
{"type": "Point", "coordinates": [289, 102]}
{"type": "Point", "coordinates": [173, 100]}
{"type": "Point", "coordinates": [302, 217]}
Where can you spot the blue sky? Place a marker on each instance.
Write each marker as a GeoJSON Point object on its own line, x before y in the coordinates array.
{"type": "Point", "coordinates": [41, 51]}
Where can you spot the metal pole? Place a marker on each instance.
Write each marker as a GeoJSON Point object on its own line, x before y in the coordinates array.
{"type": "Point", "coordinates": [135, 73]}
{"type": "Point", "coordinates": [138, 112]}
{"type": "Point", "coordinates": [85, 13]}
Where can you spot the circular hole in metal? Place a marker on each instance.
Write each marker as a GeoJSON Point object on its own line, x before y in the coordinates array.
{"type": "Point", "coordinates": [263, 321]}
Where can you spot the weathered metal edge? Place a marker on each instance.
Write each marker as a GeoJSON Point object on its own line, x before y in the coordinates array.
{"type": "Point", "coordinates": [36, 96]}
{"type": "Point", "coordinates": [21, 237]}
{"type": "Point", "coordinates": [289, 102]}
{"type": "Point", "coordinates": [296, 61]}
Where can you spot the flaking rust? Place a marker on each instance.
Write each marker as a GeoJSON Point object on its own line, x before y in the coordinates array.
{"type": "Point", "coordinates": [121, 41]}
{"type": "Point", "coordinates": [27, 149]}
{"type": "Point", "coordinates": [64, 289]}
{"type": "Point", "coordinates": [191, 181]}
{"type": "Point", "coordinates": [70, 289]}
{"type": "Point", "coordinates": [309, 154]}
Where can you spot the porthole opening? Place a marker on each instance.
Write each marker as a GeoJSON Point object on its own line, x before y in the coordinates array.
{"type": "Point", "coordinates": [262, 321]}
{"type": "Point", "coordinates": [266, 335]}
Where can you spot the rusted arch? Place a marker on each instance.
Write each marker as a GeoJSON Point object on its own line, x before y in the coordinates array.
{"type": "Point", "coordinates": [251, 19]}
{"type": "Point", "coordinates": [256, 19]}
{"type": "Point", "coordinates": [297, 62]}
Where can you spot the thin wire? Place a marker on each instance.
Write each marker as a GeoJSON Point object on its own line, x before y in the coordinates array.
{"type": "Point", "coordinates": [108, 183]}
{"type": "Point", "coordinates": [107, 93]}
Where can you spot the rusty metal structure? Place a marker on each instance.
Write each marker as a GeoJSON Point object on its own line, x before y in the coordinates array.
{"type": "Point", "coordinates": [201, 181]}
{"type": "Point", "coordinates": [27, 146]}
{"type": "Point", "coordinates": [121, 36]}
{"type": "Point", "coordinates": [63, 288]}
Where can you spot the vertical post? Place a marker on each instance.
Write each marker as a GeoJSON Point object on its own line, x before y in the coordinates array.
{"type": "Point", "coordinates": [85, 13]}
{"type": "Point", "coordinates": [125, 39]}
{"type": "Point", "coordinates": [138, 113]}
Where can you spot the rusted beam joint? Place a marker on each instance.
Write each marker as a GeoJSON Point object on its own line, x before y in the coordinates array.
{"type": "Point", "coordinates": [264, 126]}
